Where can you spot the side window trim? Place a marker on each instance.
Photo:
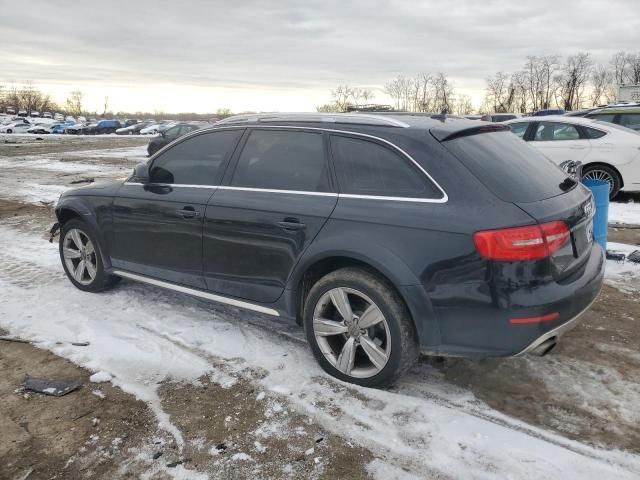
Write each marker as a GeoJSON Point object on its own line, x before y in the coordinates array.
{"type": "Point", "coordinates": [233, 158]}
{"type": "Point", "coordinates": [401, 153]}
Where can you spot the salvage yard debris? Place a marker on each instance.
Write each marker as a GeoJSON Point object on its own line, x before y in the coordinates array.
{"type": "Point", "coordinates": [53, 387]}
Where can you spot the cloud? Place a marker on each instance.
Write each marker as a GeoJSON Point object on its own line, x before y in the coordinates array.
{"type": "Point", "coordinates": [297, 48]}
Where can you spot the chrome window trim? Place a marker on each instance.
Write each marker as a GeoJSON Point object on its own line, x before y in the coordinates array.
{"type": "Point", "coordinates": [271, 190]}
{"type": "Point", "coordinates": [443, 199]}
{"type": "Point", "coordinates": [197, 293]}
{"type": "Point", "coordinates": [184, 185]}
{"type": "Point", "coordinates": [292, 192]}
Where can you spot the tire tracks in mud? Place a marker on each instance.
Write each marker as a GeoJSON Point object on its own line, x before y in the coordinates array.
{"type": "Point", "coordinates": [26, 274]}
{"type": "Point", "coordinates": [414, 390]}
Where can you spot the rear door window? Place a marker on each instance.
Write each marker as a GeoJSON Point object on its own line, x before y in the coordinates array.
{"type": "Point", "coordinates": [369, 168]}
{"type": "Point", "coordinates": [519, 129]}
{"type": "Point", "coordinates": [512, 169]}
{"type": "Point", "coordinates": [630, 120]}
{"type": "Point", "coordinates": [554, 131]}
{"type": "Point", "coordinates": [195, 161]}
{"type": "Point", "coordinates": [604, 117]}
{"type": "Point", "coordinates": [593, 133]}
{"type": "Point", "coordinates": [283, 160]}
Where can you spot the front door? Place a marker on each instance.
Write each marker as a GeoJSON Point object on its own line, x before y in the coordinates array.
{"type": "Point", "coordinates": [273, 204]}
{"type": "Point", "coordinates": [158, 225]}
{"type": "Point", "coordinates": [560, 142]}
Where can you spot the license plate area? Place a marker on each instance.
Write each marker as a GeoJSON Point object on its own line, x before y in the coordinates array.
{"type": "Point", "coordinates": [582, 238]}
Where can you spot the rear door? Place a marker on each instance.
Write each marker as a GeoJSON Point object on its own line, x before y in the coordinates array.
{"type": "Point", "coordinates": [158, 225]}
{"type": "Point", "coordinates": [274, 201]}
{"type": "Point", "coordinates": [560, 142]}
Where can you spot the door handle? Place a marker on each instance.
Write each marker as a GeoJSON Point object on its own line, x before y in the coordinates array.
{"type": "Point", "coordinates": [291, 224]}
{"type": "Point", "coordinates": [577, 147]}
{"type": "Point", "coordinates": [188, 212]}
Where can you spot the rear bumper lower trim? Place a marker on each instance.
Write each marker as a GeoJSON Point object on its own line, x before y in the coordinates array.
{"type": "Point", "coordinates": [556, 332]}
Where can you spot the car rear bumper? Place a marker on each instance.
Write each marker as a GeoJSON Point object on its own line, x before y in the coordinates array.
{"type": "Point", "coordinates": [499, 319]}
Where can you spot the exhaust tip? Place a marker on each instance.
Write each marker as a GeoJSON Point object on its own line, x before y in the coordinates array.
{"type": "Point", "coordinates": [545, 347]}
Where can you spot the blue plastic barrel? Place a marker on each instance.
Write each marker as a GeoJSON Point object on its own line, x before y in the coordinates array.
{"type": "Point", "coordinates": [600, 190]}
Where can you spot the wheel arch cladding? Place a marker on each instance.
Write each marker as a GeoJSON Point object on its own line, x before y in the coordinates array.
{"type": "Point", "coordinates": [311, 269]}
{"type": "Point", "coordinates": [75, 208]}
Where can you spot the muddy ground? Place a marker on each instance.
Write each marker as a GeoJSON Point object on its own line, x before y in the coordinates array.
{"type": "Point", "coordinates": [83, 435]}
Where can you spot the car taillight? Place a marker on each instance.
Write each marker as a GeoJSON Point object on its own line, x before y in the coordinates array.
{"type": "Point", "coordinates": [521, 243]}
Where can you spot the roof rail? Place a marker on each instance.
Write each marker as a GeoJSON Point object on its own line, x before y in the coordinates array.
{"type": "Point", "coordinates": [350, 118]}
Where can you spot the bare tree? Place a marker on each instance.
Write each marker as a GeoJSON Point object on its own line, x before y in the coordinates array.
{"type": "Point", "coordinates": [443, 94]}
{"type": "Point", "coordinates": [74, 102]}
{"type": "Point", "coordinates": [498, 93]}
{"type": "Point", "coordinates": [619, 64]}
{"type": "Point", "coordinates": [539, 73]}
{"type": "Point", "coordinates": [602, 90]}
{"type": "Point", "coordinates": [106, 106]}
{"type": "Point", "coordinates": [633, 74]}
{"type": "Point", "coordinates": [360, 95]}
{"type": "Point", "coordinates": [571, 81]}
{"type": "Point", "coordinates": [521, 98]}
{"type": "Point", "coordinates": [342, 97]}
{"type": "Point", "coordinates": [464, 105]}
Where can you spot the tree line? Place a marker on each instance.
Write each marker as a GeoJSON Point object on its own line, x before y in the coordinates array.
{"type": "Point", "coordinates": [31, 99]}
{"type": "Point", "coordinates": [544, 82]}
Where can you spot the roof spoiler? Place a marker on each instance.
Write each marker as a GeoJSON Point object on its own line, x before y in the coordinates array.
{"type": "Point", "coordinates": [444, 135]}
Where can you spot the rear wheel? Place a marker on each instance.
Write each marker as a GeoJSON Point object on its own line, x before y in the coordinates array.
{"type": "Point", "coordinates": [603, 173]}
{"type": "Point", "coordinates": [81, 257]}
{"type": "Point", "coordinates": [359, 329]}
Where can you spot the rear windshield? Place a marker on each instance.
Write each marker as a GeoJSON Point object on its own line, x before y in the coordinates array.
{"type": "Point", "coordinates": [511, 169]}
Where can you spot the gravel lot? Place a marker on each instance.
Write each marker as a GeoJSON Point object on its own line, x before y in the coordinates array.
{"type": "Point", "coordinates": [238, 396]}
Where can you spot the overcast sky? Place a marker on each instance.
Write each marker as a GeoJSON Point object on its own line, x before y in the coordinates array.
{"type": "Point", "coordinates": [202, 55]}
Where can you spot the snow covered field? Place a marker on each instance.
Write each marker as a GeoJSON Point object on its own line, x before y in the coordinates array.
{"type": "Point", "coordinates": [141, 337]}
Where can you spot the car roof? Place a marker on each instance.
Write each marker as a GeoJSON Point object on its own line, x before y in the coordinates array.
{"type": "Point", "coordinates": [616, 110]}
{"type": "Point", "coordinates": [553, 118]}
{"type": "Point", "coordinates": [441, 126]}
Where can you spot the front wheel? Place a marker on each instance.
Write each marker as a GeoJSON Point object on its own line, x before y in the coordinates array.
{"type": "Point", "coordinates": [359, 328]}
{"type": "Point", "coordinates": [81, 257]}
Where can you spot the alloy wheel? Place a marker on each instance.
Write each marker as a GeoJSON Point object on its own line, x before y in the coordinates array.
{"type": "Point", "coordinates": [80, 256]}
{"type": "Point", "coordinates": [597, 174]}
{"type": "Point", "coordinates": [352, 332]}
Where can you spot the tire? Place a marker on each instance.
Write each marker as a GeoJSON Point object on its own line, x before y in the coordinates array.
{"type": "Point", "coordinates": [83, 280]}
{"type": "Point", "coordinates": [9, 131]}
{"type": "Point", "coordinates": [605, 173]}
{"type": "Point", "coordinates": [394, 335]}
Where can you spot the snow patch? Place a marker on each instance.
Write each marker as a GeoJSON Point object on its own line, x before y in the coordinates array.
{"type": "Point", "coordinates": [625, 276]}
{"type": "Point", "coordinates": [100, 377]}
{"type": "Point", "coordinates": [624, 213]}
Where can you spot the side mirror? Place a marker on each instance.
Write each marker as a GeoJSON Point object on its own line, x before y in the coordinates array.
{"type": "Point", "coordinates": [141, 173]}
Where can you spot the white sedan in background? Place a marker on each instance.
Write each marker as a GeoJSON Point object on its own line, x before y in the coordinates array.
{"type": "Point", "coordinates": [607, 151]}
{"type": "Point", "coordinates": [15, 127]}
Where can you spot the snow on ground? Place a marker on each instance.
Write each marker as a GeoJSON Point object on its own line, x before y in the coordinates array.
{"type": "Point", "coordinates": [627, 212]}
{"type": "Point", "coordinates": [142, 335]}
{"type": "Point", "coordinates": [625, 276]}
{"type": "Point", "coordinates": [42, 178]}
